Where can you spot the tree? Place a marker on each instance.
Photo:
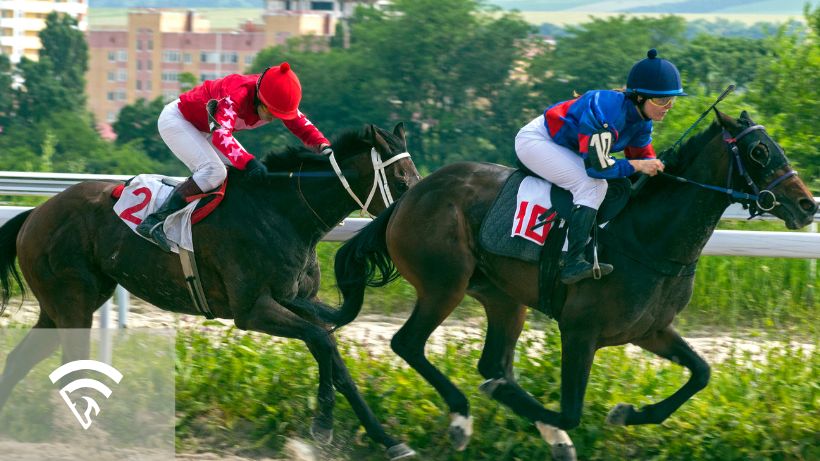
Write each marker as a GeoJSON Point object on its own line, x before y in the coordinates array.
{"type": "Point", "coordinates": [187, 81]}
{"type": "Point", "coordinates": [598, 54]}
{"type": "Point", "coordinates": [66, 48]}
{"type": "Point", "coordinates": [55, 83]}
{"type": "Point", "coordinates": [6, 93]}
{"type": "Point", "coordinates": [137, 122]}
{"type": "Point", "coordinates": [787, 90]}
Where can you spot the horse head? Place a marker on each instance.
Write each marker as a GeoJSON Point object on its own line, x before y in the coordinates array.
{"type": "Point", "coordinates": [384, 166]}
{"type": "Point", "coordinates": [761, 169]}
{"type": "Point", "coordinates": [369, 169]}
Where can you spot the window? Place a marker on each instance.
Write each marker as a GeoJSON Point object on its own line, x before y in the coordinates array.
{"type": "Point", "coordinates": [149, 64]}
{"type": "Point", "coordinates": [122, 55]}
{"type": "Point", "coordinates": [170, 76]}
{"type": "Point", "coordinates": [139, 65]}
{"type": "Point", "coordinates": [111, 117]}
{"type": "Point", "coordinates": [139, 44]}
{"type": "Point", "coordinates": [122, 75]}
{"type": "Point", "coordinates": [186, 58]}
{"type": "Point", "coordinates": [139, 84]}
{"type": "Point", "coordinates": [209, 57]}
{"type": "Point", "coordinates": [170, 56]}
{"type": "Point", "coordinates": [150, 44]}
{"type": "Point", "coordinates": [208, 76]}
{"type": "Point", "coordinates": [249, 59]}
{"type": "Point", "coordinates": [148, 85]}
{"type": "Point", "coordinates": [109, 96]}
{"type": "Point", "coordinates": [321, 6]}
{"type": "Point", "coordinates": [111, 76]}
{"type": "Point", "coordinates": [121, 95]}
{"type": "Point", "coordinates": [229, 58]}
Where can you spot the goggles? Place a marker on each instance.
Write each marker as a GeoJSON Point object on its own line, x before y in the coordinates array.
{"type": "Point", "coordinates": [665, 102]}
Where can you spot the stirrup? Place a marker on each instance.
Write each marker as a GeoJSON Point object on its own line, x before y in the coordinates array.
{"type": "Point", "coordinates": [159, 238]}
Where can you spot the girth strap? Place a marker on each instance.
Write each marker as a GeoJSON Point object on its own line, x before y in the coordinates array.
{"type": "Point", "coordinates": [194, 283]}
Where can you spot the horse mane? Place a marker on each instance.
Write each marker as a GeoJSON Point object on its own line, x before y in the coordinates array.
{"type": "Point", "coordinates": [345, 144]}
{"type": "Point", "coordinates": [692, 147]}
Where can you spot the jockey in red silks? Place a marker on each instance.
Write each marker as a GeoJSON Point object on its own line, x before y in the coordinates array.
{"type": "Point", "coordinates": [205, 146]}
{"type": "Point", "coordinates": [569, 146]}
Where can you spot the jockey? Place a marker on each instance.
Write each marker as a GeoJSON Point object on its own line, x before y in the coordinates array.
{"type": "Point", "coordinates": [569, 146]}
{"type": "Point", "coordinates": [198, 128]}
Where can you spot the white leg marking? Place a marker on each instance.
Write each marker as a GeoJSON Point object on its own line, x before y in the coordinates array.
{"type": "Point", "coordinates": [466, 424]}
{"type": "Point", "coordinates": [552, 435]}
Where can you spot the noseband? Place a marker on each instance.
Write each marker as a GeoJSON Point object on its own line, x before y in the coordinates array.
{"type": "Point", "coordinates": [379, 179]}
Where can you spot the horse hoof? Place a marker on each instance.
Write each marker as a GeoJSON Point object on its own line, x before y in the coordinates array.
{"type": "Point", "coordinates": [563, 452]}
{"type": "Point", "coordinates": [619, 414]}
{"type": "Point", "coordinates": [400, 451]}
{"type": "Point", "coordinates": [460, 431]}
{"type": "Point", "coordinates": [322, 435]}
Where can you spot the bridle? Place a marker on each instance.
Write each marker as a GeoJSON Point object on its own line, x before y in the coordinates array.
{"type": "Point", "coordinates": [760, 200]}
{"type": "Point", "coordinates": [379, 179]}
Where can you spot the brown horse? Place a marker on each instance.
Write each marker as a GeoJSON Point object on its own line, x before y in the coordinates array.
{"type": "Point", "coordinates": [431, 235]}
{"type": "Point", "coordinates": [256, 255]}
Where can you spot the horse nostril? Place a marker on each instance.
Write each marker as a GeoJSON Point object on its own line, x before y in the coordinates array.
{"type": "Point", "coordinates": [808, 205]}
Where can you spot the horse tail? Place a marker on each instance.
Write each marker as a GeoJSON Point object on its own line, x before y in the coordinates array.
{"type": "Point", "coordinates": [8, 255]}
{"type": "Point", "coordinates": [363, 261]}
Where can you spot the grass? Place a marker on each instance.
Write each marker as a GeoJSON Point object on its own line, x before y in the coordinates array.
{"type": "Point", "coordinates": [752, 409]}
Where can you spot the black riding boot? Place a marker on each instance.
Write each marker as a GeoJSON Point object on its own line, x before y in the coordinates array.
{"type": "Point", "coordinates": [575, 267]}
{"type": "Point", "coordinates": [151, 226]}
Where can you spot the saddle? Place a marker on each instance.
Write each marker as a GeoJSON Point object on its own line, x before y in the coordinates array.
{"type": "Point", "coordinates": [495, 235]}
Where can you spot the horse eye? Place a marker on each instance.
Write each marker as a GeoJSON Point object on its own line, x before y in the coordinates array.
{"type": "Point", "coordinates": [760, 155]}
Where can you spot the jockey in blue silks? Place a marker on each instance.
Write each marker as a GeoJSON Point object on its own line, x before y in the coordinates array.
{"type": "Point", "coordinates": [570, 145]}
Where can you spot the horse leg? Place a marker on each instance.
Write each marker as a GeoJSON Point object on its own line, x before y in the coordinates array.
{"type": "Point", "coordinates": [270, 317]}
{"type": "Point", "coordinates": [39, 344]}
{"type": "Point", "coordinates": [505, 322]}
{"type": "Point", "coordinates": [668, 344]}
{"type": "Point", "coordinates": [432, 307]}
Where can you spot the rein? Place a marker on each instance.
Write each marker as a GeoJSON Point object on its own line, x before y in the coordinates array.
{"type": "Point", "coordinates": [379, 179]}
{"type": "Point", "coordinates": [761, 200]}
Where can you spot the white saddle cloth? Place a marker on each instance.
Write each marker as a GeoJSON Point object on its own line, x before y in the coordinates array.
{"type": "Point", "coordinates": [143, 196]}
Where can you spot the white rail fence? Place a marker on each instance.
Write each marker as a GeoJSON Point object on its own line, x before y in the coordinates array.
{"type": "Point", "coordinates": [803, 245]}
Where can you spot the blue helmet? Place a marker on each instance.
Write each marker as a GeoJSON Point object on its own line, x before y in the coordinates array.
{"type": "Point", "coordinates": [654, 77]}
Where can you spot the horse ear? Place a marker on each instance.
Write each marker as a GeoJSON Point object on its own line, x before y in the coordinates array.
{"type": "Point", "coordinates": [725, 120]}
{"type": "Point", "coordinates": [745, 116]}
{"type": "Point", "coordinates": [398, 130]}
{"type": "Point", "coordinates": [376, 140]}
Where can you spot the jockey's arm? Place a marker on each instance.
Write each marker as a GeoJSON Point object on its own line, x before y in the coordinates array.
{"type": "Point", "coordinates": [223, 122]}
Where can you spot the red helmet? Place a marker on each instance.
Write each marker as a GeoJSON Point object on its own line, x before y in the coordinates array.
{"type": "Point", "coordinates": [280, 91]}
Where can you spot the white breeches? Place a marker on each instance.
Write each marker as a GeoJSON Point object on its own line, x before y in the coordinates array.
{"type": "Point", "coordinates": [558, 164]}
{"type": "Point", "coordinates": [193, 147]}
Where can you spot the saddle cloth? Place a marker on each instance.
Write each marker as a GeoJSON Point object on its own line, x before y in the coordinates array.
{"type": "Point", "coordinates": [145, 193]}
{"type": "Point", "coordinates": [523, 200]}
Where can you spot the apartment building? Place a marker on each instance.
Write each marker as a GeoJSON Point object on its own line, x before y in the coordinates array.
{"type": "Point", "coordinates": [22, 20]}
{"type": "Point", "coordinates": [145, 59]}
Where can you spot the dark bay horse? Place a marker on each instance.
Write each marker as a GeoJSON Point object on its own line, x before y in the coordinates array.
{"type": "Point", "coordinates": [430, 237]}
{"type": "Point", "coordinates": [256, 255]}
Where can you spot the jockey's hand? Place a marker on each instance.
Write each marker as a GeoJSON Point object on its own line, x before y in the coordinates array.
{"type": "Point", "coordinates": [650, 166]}
{"type": "Point", "coordinates": [325, 149]}
{"type": "Point", "coordinates": [255, 170]}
